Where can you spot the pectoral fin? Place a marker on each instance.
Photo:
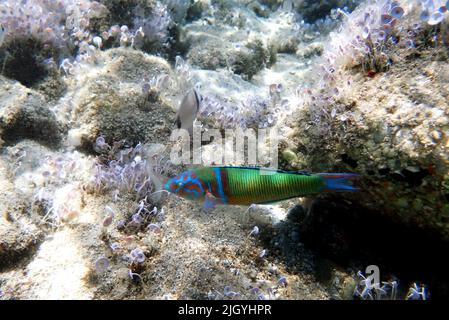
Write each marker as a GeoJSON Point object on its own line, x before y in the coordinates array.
{"type": "Point", "coordinates": [210, 202]}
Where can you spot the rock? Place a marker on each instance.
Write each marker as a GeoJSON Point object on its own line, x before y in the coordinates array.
{"type": "Point", "coordinates": [111, 101]}
{"type": "Point", "coordinates": [390, 126]}
{"type": "Point", "coordinates": [289, 155]}
{"type": "Point", "coordinates": [123, 12]}
{"type": "Point", "coordinates": [195, 10]}
{"type": "Point", "coordinates": [259, 9]}
{"type": "Point", "coordinates": [237, 40]}
{"type": "Point", "coordinates": [22, 60]}
{"type": "Point", "coordinates": [19, 239]}
{"type": "Point", "coordinates": [257, 56]}
{"type": "Point", "coordinates": [19, 235]}
{"type": "Point", "coordinates": [314, 10]}
{"type": "Point", "coordinates": [244, 57]}
{"type": "Point", "coordinates": [210, 54]}
{"type": "Point", "coordinates": [311, 50]}
{"type": "Point", "coordinates": [384, 117]}
{"type": "Point", "coordinates": [382, 145]}
{"type": "Point", "coordinates": [266, 214]}
{"type": "Point", "coordinates": [25, 114]}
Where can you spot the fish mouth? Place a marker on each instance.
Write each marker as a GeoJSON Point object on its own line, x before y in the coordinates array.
{"type": "Point", "coordinates": [167, 187]}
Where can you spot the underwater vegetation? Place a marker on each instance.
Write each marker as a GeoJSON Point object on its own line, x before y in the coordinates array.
{"type": "Point", "coordinates": [90, 92]}
{"type": "Point", "coordinates": [124, 170]}
{"type": "Point", "coordinates": [365, 290]}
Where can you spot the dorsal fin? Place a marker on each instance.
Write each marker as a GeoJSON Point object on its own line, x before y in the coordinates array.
{"type": "Point", "coordinates": [305, 173]}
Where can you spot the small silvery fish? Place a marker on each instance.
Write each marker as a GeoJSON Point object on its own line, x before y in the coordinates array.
{"type": "Point", "coordinates": [2, 34]}
{"type": "Point", "coordinates": [248, 185]}
{"type": "Point", "coordinates": [188, 110]}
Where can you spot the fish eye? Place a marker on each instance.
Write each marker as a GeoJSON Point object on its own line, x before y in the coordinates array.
{"type": "Point", "coordinates": [173, 186]}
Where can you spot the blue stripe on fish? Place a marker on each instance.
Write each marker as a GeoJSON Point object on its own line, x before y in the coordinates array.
{"type": "Point", "coordinates": [220, 185]}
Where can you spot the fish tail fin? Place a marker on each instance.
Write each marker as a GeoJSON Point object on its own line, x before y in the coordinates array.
{"type": "Point", "coordinates": [339, 182]}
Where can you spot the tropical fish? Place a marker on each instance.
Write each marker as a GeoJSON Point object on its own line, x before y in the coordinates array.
{"type": "Point", "coordinates": [252, 185]}
{"type": "Point", "coordinates": [188, 110]}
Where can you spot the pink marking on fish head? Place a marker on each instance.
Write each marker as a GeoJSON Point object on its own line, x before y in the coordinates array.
{"type": "Point", "coordinates": [186, 185]}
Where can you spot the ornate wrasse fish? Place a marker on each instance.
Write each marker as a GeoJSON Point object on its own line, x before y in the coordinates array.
{"type": "Point", "coordinates": [250, 185]}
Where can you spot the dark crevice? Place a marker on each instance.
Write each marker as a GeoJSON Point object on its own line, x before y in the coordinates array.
{"type": "Point", "coordinates": [349, 161]}
{"type": "Point", "coordinates": [412, 177]}
{"type": "Point", "coordinates": [22, 60]}
{"type": "Point", "coordinates": [312, 11]}
{"type": "Point", "coordinates": [353, 237]}
{"type": "Point", "coordinates": [10, 258]}
{"type": "Point", "coordinates": [415, 178]}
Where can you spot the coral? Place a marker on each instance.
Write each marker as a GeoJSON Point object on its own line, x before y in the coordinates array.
{"type": "Point", "coordinates": [44, 34]}
{"type": "Point", "coordinates": [101, 265]}
{"type": "Point", "coordinates": [377, 30]}
{"type": "Point", "coordinates": [51, 182]}
{"type": "Point", "coordinates": [365, 290]}
{"type": "Point", "coordinates": [31, 175]}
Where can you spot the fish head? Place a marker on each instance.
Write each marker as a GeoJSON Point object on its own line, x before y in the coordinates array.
{"type": "Point", "coordinates": [186, 185]}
